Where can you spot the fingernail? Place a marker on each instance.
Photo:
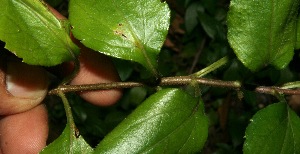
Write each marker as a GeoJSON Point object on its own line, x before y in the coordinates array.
{"type": "Point", "coordinates": [26, 81]}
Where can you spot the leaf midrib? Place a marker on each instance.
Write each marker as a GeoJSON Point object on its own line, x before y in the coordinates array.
{"type": "Point", "coordinates": [50, 29]}
{"type": "Point", "coordinates": [137, 41]}
{"type": "Point", "coordinates": [194, 111]}
{"type": "Point", "coordinates": [271, 39]}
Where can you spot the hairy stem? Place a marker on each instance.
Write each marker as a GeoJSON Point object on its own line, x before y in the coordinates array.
{"type": "Point", "coordinates": [171, 81]}
{"type": "Point", "coordinates": [165, 81]}
{"type": "Point", "coordinates": [291, 85]}
{"type": "Point", "coordinates": [73, 129]}
{"type": "Point", "coordinates": [75, 71]}
{"type": "Point", "coordinates": [212, 67]}
{"type": "Point", "coordinates": [274, 90]}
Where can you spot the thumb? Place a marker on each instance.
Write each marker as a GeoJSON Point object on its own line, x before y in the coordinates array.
{"type": "Point", "coordinates": [22, 86]}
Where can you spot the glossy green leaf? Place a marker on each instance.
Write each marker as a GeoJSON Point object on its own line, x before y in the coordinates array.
{"type": "Point", "coordinates": [263, 32]}
{"type": "Point", "coordinates": [67, 142]}
{"type": "Point", "coordinates": [33, 33]}
{"type": "Point", "coordinates": [274, 129]}
{"type": "Point", "coordinates": [170, 121]}
{"type": "Point", "coordinates": [127, 29]}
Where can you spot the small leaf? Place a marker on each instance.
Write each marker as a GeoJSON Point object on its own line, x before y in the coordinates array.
{"type": "Point", "coordinates": [67, 142]}
{"type": "Point", "coordinates": [170, 121]}
{"type": "Point", "coordinates": [263, 32]}
{"type": "Point", "coordinates": [274, 129]}
{"type": "Point", "coordinates": [127, 29]}
{"type": "Point", "coordinates": [33, 33]}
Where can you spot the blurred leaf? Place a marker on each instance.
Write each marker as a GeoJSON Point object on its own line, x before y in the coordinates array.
{"type": "Point", "coordinates": [208, 24]}
{"type": "Point", "coordinates": [236, 126]}
{"type": "Point", "coordinates": [165, 63]}
{"type": "Point", "coordinates": [127, 29]}
{"type": "Point", "coordinates": [137, 95]}
{"type": "Point", "coordinates": [67, 142]}
{"type": "Point", "coordinates": [263, 32]}
{"type": "Point", "coordinates": [124, 68]}
{"type": "Point", "coordinates": [210, 5]}
{"type": "Point", "coordinates": [170, 121]}
{"type": "Point", "coordinates": [70, 141]}
{"type": "Point", "coordinates": [211, 26]}
{"type": "Point", "coordinates": [286, 75]}
{"type": "Point", "coordinates": [33, 33]}
{"type": "Point", "coordinates": [89, 119]}
{"type": "Point", "coordinates": [251, 98]}
{"type": "Point", "coordinates": [236, 71]}
{"type": "Point", "coordinates": [297, 45]}
{"type": "Point", "coordinates": [191, 16]}
{"type": "Point", "coordinates": [224, 149]}
{"type": "Point", "coordinates": [274, 129]}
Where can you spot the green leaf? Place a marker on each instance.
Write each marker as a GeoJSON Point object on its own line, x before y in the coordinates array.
{"type": "Point", "coordinates": [263, 32]}
{"type": "Point", "coordinates": [127, 29]}
{"type": "Point", "coordinates": [67, 142]}
{"type": "Point", "coordinates": [170, 121]}
{"type": "Point", "coordinates": [274, 129]}
{"type": "Point", "coordinates": [33, 33]}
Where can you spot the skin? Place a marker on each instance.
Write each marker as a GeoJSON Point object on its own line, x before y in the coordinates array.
{"type": "Point", "coordinates": [23, 119]}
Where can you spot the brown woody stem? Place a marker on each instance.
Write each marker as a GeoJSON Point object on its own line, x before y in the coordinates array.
{"type": "Point", "coordinates": [166, 81]}
{"type": "Point", "coordinates": [273, 90]}
{"type": "Point", "coordinates": [171, 81]}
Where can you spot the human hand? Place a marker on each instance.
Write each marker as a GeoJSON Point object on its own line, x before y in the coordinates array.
{"type": "Point", "coordinates": [23, 119]}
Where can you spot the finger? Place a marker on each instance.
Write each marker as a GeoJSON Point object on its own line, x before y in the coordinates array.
{"type": "Point", "coordinates": [97, 68]}
{"type": "Point", "coordinates": [94, 68]}
{"type": "Point", "coordinates": [56, 13]}
{"type": "Point", "coordinates": [25, 132]}
{"type": "Point", "coordinates": [22, 86]}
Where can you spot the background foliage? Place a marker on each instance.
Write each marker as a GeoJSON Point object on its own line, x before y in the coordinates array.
{"type": "Point", "coordinates": [197, 37]}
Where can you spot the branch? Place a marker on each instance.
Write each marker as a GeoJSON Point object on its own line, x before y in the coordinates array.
{"type": "Point", "coordinates": [171, 81]}
{"type": "Point", "coordinates": [166, 81]}
{"type": "Point", "coordinates": [274, 90]}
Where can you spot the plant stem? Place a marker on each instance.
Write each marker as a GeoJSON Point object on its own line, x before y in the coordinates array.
{"type": "Point", "coordinates": [212, 67]}
{"type": "Point", "coordinates": [94, 87]}
{"type": "Point", "coordinates": [75, 71]}
{"type": "Point", "coordinates": [73, 129]}
{"type": "Point", "coordinates": [171, 81]}
{"type": "Point", "coordinates": [165, 81]}
{"type": "Point", "coordinates": [184, 80]}
{"type": "Point", "coordinates": [290, 85]}
{"type": "Point", "coordinates": [273, 90]}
